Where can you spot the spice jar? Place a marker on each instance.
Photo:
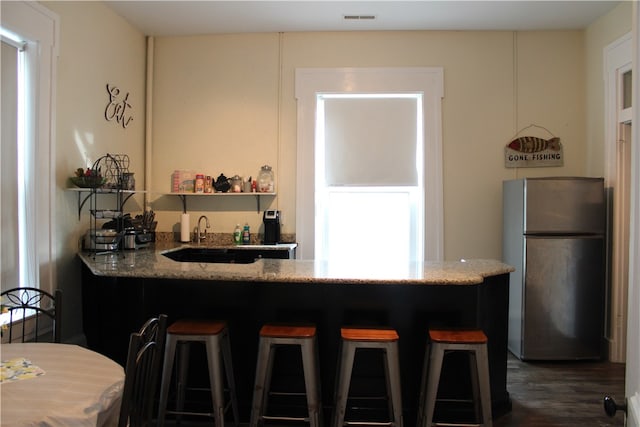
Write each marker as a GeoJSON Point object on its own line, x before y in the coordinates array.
{"type": "Point", "coordinates": [265, 180]}
{"type": "Point", "coordinates": [199, 185]}
{"type": "Point", "coordinates": [128, 181]}
{"type": "Point", "coordinates": [236, 184]}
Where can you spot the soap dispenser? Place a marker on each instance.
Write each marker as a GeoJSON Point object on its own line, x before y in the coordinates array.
{"type": "Point", "coordinates": [237, 235]}
{"type": "Point", "coordinates": [246, 236]}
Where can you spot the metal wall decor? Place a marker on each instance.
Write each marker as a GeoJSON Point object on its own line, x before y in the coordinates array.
{"type": "Point", "coordinates": [530, 151]}
{"type": "Point", "coordinates": [118, 107]}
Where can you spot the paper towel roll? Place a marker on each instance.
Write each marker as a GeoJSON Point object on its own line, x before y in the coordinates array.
{"type": "Point", "coordinates": [185, 229]}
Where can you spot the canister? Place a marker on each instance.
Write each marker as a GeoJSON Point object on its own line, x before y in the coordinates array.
{"type": "Point", "coordinates": [130, 240]}
{"type": "Point", "coordinates": [265, 180]}
{"type": "Point", "coordinates": [236, 184]}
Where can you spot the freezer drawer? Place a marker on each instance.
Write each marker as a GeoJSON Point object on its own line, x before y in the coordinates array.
{"type": "Point", "coordinates": [564, 206]}
{"type": "Point", "coordinates": [563, 298]}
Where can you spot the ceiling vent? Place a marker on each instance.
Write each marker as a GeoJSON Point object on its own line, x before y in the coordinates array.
{"type": "Point", "coordinates": [359, 17]}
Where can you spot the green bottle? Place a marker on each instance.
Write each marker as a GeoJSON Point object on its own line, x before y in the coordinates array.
{"type": "Point", "coordinates": [237, 235]}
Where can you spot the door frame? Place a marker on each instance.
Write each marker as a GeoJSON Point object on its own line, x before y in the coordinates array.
{"type": "Point", "coordinates": [617, 61]}
{"type": "Point", "coordinates": [632, 385]}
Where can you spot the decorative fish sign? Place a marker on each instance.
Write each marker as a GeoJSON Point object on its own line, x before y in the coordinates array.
{"type": "Point", "coordinates": [532, 144]}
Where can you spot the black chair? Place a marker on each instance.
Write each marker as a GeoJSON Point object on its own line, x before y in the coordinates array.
{"type": "Point", "coordinates": [146, 351]}
{"type": "Point", "coordinates": [34, 304]}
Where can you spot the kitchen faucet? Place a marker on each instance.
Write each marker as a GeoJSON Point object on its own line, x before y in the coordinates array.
{"type": "Point", "coordinates": [199, 234]}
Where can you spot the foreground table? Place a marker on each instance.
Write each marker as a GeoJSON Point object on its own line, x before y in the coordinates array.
{"type": "Point", "coordinates": [75, 387]}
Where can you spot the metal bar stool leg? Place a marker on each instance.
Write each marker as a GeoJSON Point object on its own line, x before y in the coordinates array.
{"type": "Point", "coordinates": [312, 387]}
{"type": "Point", "coordinates": [231, 382]}
{"type": "Point", "coordinates": [436, 355]}
{"type": "Point", "coordinates": [259, 392]}
{"type": "Point", "coordinates": [423, 385]}
{"type": "Point", "coordinates": [475, 387]}
{"type": "Point", "coordinates": [169, 354]}
{"type": "Point", "coordinates": [485, 385]}
{"type": "Point", "coordinates": [344, 379]}
{"type": "Point", "coordinates": [393, 382]}
{"type": "Point", "coordinates": [215, 379]}
{"type": "Point", "coordinates": [183, 373]}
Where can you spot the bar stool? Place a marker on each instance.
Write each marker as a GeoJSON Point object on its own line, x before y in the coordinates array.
{"type": "Point", "coordinates": [215, 336]}
{"type": "Point", "coordinates": [473, 342]}
{"type": "Point", "coordinates": [387, 341]}
{"type": "Point", "coordinates": [272, 336]}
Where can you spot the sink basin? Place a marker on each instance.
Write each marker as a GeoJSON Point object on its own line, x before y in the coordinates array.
{"type": "Point", "coordinates": [214, 255]}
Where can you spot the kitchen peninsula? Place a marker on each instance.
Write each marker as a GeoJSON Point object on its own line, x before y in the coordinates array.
{"type": "Point", "coordinates": [121, 290]}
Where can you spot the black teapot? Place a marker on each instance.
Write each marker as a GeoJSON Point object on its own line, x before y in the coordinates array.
{"type": "Point", "coordinates": [222, 184]}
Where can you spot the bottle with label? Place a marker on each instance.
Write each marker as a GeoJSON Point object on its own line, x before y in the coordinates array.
{"type": "Point", "coordinates": [237, 235]}
{"type": "Point", "coordinates": [199, 185]}
{"type": "Point", "coordinates": [246, 236]}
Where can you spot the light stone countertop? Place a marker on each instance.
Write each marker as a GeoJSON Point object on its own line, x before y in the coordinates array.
{"type": "Point", "coordinates": [150, 263]}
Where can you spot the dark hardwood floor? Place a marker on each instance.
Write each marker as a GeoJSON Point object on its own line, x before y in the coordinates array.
{"type": "Point", "coordinates": [562, 394]}
{"type": "Point", "coordinates": [554, 394]}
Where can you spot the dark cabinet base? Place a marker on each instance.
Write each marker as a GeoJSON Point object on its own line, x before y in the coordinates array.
{"type": "Point", "coordinates": [115, 307]}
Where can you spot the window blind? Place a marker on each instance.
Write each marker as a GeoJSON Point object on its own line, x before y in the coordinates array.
{"type": "Point", "coordinates": [370, 141]}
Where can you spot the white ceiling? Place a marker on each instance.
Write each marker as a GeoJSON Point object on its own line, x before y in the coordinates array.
{"type": "Point", "coordinates": [173, 18]}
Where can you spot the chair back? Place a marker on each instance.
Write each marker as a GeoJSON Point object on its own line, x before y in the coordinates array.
{"type": "Point", "coordinates": [146, 351]}
{"type": "Point", "coordinates": [33, 308]}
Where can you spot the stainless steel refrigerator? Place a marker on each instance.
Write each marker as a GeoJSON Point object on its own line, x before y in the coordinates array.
{"type": "Point", "coordinates": [554, 236]}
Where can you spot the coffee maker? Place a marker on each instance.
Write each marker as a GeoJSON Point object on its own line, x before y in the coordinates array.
{"type": "Point", "coordinates": [271, 220]}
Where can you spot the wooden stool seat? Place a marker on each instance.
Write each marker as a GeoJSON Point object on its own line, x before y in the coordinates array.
{"type": "Point", "coordinates": [287, 331]}
{"type": "Point", "coordinates": [196, 327]}
{"type": "Point", "coordinates": [457, 336]}
{"type": "Point", "coordinates": [215, 336]}
{"type": "Point", "coordinates": [358, 334]}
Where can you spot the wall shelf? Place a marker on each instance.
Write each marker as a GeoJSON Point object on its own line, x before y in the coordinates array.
{"type": "Point", "coordinates": [85, 193]}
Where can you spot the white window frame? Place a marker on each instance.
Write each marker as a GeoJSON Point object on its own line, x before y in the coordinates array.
{"type": "Point", "coordinates": [312, 81]}
{"type": "Point", "coordinates": [38, 28]}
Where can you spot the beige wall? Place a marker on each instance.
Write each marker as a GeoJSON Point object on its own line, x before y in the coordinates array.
{"type": "Point", "coordinates": [225, 103]}
{"type": "Point", "coordinates": [96, 47]}
{"type": "Point", "coordinates": [598, 36]}
{"type": "Point", "coordinates": [221, 105]}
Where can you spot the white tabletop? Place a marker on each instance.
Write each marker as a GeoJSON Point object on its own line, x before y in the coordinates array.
{"type": "Point", "coordinates": [79, 387]}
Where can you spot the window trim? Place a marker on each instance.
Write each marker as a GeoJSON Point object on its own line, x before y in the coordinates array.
{"type": "Point", "coordinates": [428, 80]}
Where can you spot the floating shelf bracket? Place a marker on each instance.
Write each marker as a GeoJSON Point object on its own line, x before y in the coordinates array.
{"type": "Point", "coordinates": [183, 197]}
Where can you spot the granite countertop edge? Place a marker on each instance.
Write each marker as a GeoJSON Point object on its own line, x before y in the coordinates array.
{"type": "Point", "coordinates": [150, 263]}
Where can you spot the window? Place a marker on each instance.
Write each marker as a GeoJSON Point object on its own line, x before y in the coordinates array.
{"type": "Point", "coordinates": [369, 163]}
{"type": "Point", "coordinates": [369, 168]}
{"type": "Point", "coordinates": [26, 172]}
{"type": "Point", "coordinates": [626, 89]}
